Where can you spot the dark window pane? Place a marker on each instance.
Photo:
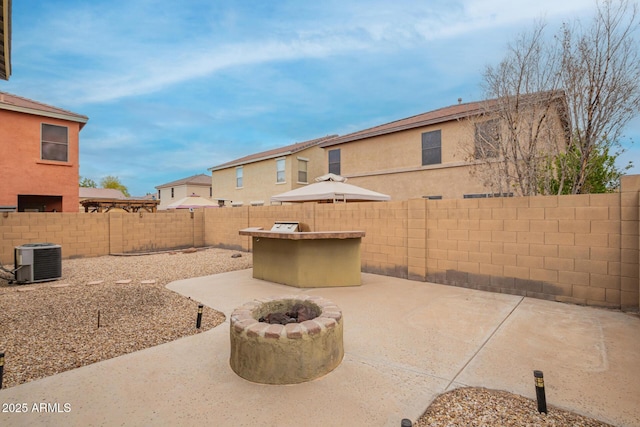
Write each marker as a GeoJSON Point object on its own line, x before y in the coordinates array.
{"type": "Point", "coordinates": [334, 161]}
{"type": "Point", "coordinates": [53, 151]}
{"type": "Point", "coordinates": [334, 156]}
{"type": "Point", "coordinates": [54, 133]}
{"type": "Point", "coordinates": [431, 156]}
{"type": "Point", "coordinates": [54, 143]}
{"type": "Point", "coordinates": [431, 148]}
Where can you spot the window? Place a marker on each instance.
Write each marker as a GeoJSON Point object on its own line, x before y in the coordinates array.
{"type": "Point", "coordinates": [239, 177]}
{"type": "Point", "coordinates": [159, 193]}
{"type": "Point", "coordinates": [210, 192]}
{"type": "Point", "coordinates": [487, 137]}
{"type": "Point", "coordinates": [280, 177]}
{"type": "Point", "coordinates": [431, 148]}
{"type": "Point", "coordinates": [334, 161]}
{"type": "Point", "coordinates": [172, 193]}
{"type": "Point", "coordinates": [55, 143]}
{"type": "Point", "coordinates": [302, 170]}
{"type": "Point", "coordinates": [432, 197]}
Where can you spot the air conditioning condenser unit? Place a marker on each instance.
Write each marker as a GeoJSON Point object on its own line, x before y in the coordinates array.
{"type": "Point", "coordinates": [37, 262]}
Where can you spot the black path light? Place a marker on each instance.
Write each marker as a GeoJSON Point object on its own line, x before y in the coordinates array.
{"type": "Point", "coordinates": [540, 394]}
{"type": "Point", "coordinates": [1, 368]}
{"type": "Point", "coordinates": [199, 319]}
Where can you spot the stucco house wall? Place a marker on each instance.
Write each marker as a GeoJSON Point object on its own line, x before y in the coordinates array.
{"type": "Point", "coordinates": [388, 158]}
{"type": "Point", "coordinates": [260, 173]}
{"type": "Point", "coordinates": [199, 185]}
{"type": "Point", "coordinates": [25, 174]}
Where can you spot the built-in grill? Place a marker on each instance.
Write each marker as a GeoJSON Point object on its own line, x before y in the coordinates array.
{"type": "Point", "coordinates": [286, 226]}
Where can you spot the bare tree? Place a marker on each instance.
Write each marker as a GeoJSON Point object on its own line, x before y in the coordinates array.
{"type": "Point", "coordinates": [601, 79]}
{"type": "Point", "coordinates": [574, 92]}
{"type": "Point", "coordinates": [520, 124]}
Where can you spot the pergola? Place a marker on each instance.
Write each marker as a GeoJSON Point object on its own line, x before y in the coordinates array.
{"type": "Point", "coordinates": [129, 205]}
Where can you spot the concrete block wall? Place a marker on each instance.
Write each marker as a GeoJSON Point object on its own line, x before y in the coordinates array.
{"type": "Point", "coordinates": [221, 227]}
{"type": "Point", "coordinates": [384, 248]}
{"type": "Point", "coordinates": [581, 249]}
{"type": "Point", "coordinates": [146, 232]}
{"type": "Point", "coordinates": [79, 235]}
{"type": "Point", "coordinates": [565, 248]}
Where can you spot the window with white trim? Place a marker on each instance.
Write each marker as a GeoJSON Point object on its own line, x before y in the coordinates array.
{"type": "Point", "coordinates": [280, 171]}
{"type": "Point", "coordinates": [431, 148]}
{"type": "Point", "coordinates": [334, 161]}
{"type": "Point", "coordinates": [55, 143]}
{"type": "Point", "coordinates": [239, 177]}
{"type": "Point", "coordinates": [302, 170]}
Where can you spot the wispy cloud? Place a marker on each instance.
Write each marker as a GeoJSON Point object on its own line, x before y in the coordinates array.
{"type": "Point", "coordinates": [145, 54]}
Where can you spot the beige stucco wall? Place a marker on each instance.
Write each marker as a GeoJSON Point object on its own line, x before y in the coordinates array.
{"type": "Point", "coordinates": [259, 178]}
{"type": "Point", "coordinates": [392, 163]}
{"type": "Point", "coordinates": [180, 192]}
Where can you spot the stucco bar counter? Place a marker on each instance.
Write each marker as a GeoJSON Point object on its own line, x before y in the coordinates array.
{"type": "Point", "coordinates": [306, 259]}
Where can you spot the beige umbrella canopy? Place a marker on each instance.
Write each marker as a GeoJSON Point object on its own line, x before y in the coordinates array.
{"type": "Point", "coordinates": [192, 202]}
{"type": "Point", "coordinates": [330, 187]}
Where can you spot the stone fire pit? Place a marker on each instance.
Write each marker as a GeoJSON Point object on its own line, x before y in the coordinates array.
{"type": "Point", "coordinates": [286, 354]}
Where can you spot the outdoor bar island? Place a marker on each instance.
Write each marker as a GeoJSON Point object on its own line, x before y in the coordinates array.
{"type": "Point", "coordinates": [306, 259]}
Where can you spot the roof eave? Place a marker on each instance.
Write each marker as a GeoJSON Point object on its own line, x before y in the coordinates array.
{"type": "Point", "coordinates": [62, 116]}
{"type": "Point", "coordinates": [260, 159]}
{"type": "Point", "coordinates": [429, 122]}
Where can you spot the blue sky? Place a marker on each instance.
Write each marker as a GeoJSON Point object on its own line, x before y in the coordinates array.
{"type": "Point", "coordinates": [173, 88]}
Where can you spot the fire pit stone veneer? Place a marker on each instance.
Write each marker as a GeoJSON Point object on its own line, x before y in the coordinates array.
{"type": "Point", "coordinates": [286, 354]}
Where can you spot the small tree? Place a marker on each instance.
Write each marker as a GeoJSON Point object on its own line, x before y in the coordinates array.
{"type": "Point", "coordinates": [604, 175]}
{"type": "Point", "coordinates": [596, 71]}
{"type": "Point", "coordinates": [88, 183]}
{"type": "Point", "coordinates": [114, 183]}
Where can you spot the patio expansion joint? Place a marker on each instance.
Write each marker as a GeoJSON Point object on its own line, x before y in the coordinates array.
{"type": "Point", "coordinates": [453, 380]}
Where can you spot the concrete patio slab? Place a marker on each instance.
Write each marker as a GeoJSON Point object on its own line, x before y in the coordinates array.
{"type": "Point", "coordinates": [405, 342]}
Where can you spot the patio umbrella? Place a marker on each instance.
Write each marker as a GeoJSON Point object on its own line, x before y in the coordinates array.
{"type": "Point", "coordinates": [193, 201]}
{"type": "Point", "coordinates": [329, 187]}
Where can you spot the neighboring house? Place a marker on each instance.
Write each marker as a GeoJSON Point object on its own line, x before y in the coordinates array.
{"type": "Point", "coordinates": [420, 156]}
{"type": "Point", "coordinates": [253, 179]}
{"type": "Point", "coordinates": [39, 147]}
{"type": "Point", "coordinates": [5, 39]}
{"type": "Point", "coordinates": [176, 190]}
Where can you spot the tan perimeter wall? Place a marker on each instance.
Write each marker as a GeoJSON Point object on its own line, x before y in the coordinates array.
{"type": "Point", "coordinates": [581, 249]}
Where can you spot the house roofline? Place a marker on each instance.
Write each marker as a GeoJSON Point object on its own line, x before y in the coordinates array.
{"type": "Point", "coordinates": [287, 150]}
{"type": "Point", "coordinates": [20, 104]}
{"type": "Point", "coordinates": [62, 116]}
{"type": "Point", "coordinates": [400, 128]}
{"type": "Point", "coordinates": [257, 159]}
{"type": "Point", "coordinates": [475, 108]}
{"type": "Point", "coordinates": [187, 181]}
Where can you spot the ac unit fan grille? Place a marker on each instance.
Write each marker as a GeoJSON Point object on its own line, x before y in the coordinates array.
{"type": "Point", "coordinates": [46, 263]}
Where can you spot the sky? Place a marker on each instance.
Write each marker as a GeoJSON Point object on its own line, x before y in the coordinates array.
{"type": "Point", "coordinates": [174, 88]}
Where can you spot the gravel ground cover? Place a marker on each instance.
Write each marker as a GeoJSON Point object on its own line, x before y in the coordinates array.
{"type": "Point", "coordinates": [51, 327]}
{"type": "Point", "coordinates": [475, 406]}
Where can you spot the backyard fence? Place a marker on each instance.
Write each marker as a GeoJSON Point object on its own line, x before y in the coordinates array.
{"type": "Point", "coordinates": [581, 249]}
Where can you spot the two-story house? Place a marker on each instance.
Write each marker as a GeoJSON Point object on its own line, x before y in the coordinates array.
{"type": "Point", "coordinates": [429, 155]}
{"type": "Point", "coordinates": [253, 179]}
{"type": "Point", "coordinates": [39, 155]}
{"type": "Point", "coordinates": [170, 192]}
